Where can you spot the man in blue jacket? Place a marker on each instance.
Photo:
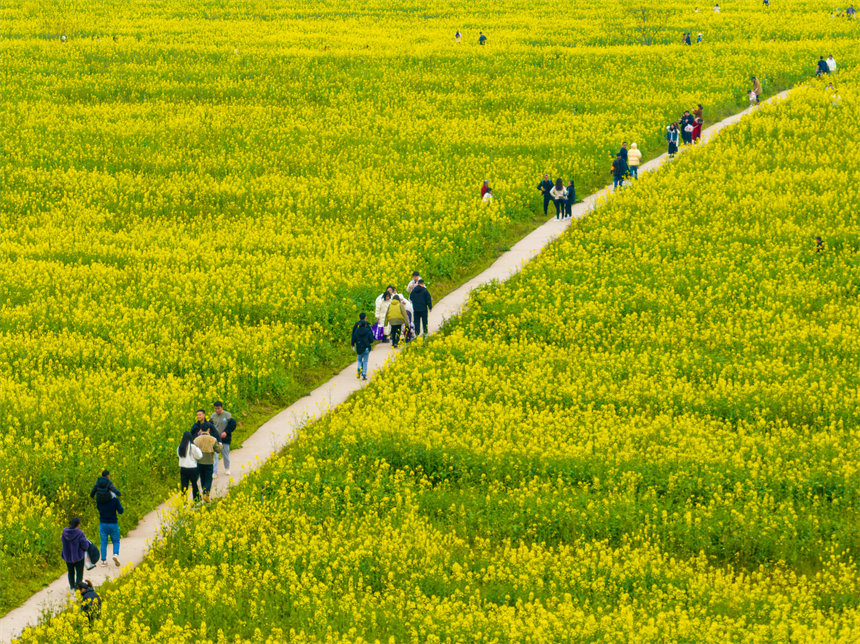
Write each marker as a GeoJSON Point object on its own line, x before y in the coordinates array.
{"type": "Point", "coordinates": [109, 527]}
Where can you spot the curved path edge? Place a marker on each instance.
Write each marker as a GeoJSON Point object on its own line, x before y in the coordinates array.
{"type": "Point", "coordinates": [280, 430]}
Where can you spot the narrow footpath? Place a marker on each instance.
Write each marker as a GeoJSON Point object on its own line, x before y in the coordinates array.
{"type": "Point", "coordinates": [280, 430]}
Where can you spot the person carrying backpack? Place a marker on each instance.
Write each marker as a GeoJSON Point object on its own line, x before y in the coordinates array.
{"type": "Point", "coordinates": [75, 549]}
{"type": "Point", "coordinates": [91, 603]}
{"type": "Point", "coordinates": [362, 340]}
{"type": "Point", "coordinates": [104, 488]}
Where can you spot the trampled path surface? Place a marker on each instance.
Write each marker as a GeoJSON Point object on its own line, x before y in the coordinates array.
{"type": "Point", "coordinates": [282, 428]}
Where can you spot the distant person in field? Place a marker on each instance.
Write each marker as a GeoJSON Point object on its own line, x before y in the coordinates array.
{"type": "Point", "coordinates": [104, 487]}
{"type": "Point", "coordinates": [189, 474]}
{"type": "Point", "coordinates": [91, 603]}
{"type": "Point", "coordinates": [416, 277]}
{"type": "Point", "coordinates": [850, 12]}
{"type": "Point", "coordinates": [210, 446]}
{"type": "Point", "coordinates": [571, 199]}
{"type": "Point", "coordinates": [225, 425]}
{"type": "Point", "coordinates": [698, 112]}
{"type": "Point", "coordinates": [687, 40]}
{"type": "Point", "coordinates": [559, 197]}
{"type": "Point", "coordinates": [457, 36]}
{"type": "Point", "coordinates": [485, 188]}
{"type": "Point", "coordinates": [823, 67]}
{"type": "Point", "coordinates": [766, 3]}
{"type": "Point", "coordinates": [545, 186]}
{"type": "Point", "coordinates": [634, 158]}
{"type": "Point", "coordinates": [751, 95]}
{"type": "Point", "coordinates": [362, 340]}
{"type": "Point", "coordinates": [687, 127]}
{"type": "Point", "coordinates": [108, 505]}
{"type": "Point", "coordinates": [482, 39]}
{"type": "Point", "coordinates": [619, 169]}
{"type": "Point", "coordinates": [831, 64]}
{"type": "Point", "coordinates": [396, 317]}
{"type": "Point", "coordinates": [756, 88]}
{"type": "Point", "coordinates": [75, 548]}
{"type": "Point", "coordinates": [699, 38]}
{"type": "Point", "coordinates": [422, 304]}
{"type": "Point", "coordinates": [672, 139]}
{"type": "Point", "coordinates": [716, 8]}
{"type": "Point", "coordinates": [819, 245]}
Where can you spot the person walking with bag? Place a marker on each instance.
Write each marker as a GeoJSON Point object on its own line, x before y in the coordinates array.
{"type": "Point", "coordinates": [225, 425]}
{"type": "Point", "coordinates": [362, 340]}
{"type": "Point", "coordinates": [559, 197]}
{"type": "Point", "coordinates": [396, 317]}
{"type": "Point", "coordinates": [75, 549]}
{"type": "Point", "coordinates": [108, 507]}
{"type": "Point", "coordinates": [189, 474]}
{"type": "Point", "coordinates": [422, 303]}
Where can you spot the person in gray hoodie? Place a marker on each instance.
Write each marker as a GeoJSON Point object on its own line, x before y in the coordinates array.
{"type": "Point", "coordinates": [75, 548]}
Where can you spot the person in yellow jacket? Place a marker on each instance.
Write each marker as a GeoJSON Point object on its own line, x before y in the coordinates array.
{"type": "Point", "coordinates": [396, 317]}
{"type": "Point", "coordinates": [634, 158]}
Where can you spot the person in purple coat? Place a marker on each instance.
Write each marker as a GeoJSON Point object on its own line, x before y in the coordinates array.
{"type": "Point", "coordinates": [75, 548]}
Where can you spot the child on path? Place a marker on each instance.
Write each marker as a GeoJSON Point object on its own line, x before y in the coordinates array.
{"type": "Point", "coordinates": [109, 526]}
{"type": "Point", "coordinates": [362, 340]}
{"type": "Point", "coordinates": [189, 474]}
{"type": "Point", "coordinates": [104, 488]}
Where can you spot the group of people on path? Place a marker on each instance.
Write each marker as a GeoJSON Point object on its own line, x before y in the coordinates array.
{"type": "Point", "coordinates": [395, 315]}
{"type": "Point", "coordinates": [200, 447]}
{"type": "Point", "coordinates": [563, 197]}
{"type": "Point", "coordinates": [687, 129]}
{"type": "Point", "coordinates": [825, 66]}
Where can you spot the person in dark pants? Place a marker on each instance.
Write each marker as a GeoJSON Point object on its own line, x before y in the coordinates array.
{"type": "Point", "coordinates": [210, 446]}
{"type": "Point", "coordinates": [623, 150]}
{"type": "Point", "coordinates": [75, 548]}
{"type": "Point", "coordinates": [396, 317]}
{"type": "Point", "coordinates": [189, 454]}
{"type": "Point", "coordinates": [559, 197]}
{"type": "Point", "coordinates": [823, 68]}
{"type": "Point", "coordinates": [571, 199]}
{"type": "Point", "coordinates": [421, 304]}
{"type": "Point", "coordinates": [619, 169]}
{"type": "Point", "coordinates": [545, 186]}
{"type": "Point", "coordinates": [362, 340]}
{"type": "Point", "coordinates": [91, 603]}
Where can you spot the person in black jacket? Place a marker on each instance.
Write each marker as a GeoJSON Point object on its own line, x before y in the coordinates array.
{"type": "Point", "coordinates": [109, 527]}
{"type": "Point", "coordinates": [619, 169]}
{"type": "Point", "coordinates": [362, 340]}
{"type": "Point", "coordinates": [822, 67]}
{"type": "Point", "coordinates": [571, 199]}
{"type": "Point", "coordinates": [623, 150]}
{"type": "Point", "coordinates": [202, 424]}
{"type": "Point", "coordinates": [545, 186]}
{"type": "Point", "coordinates": [91, 603]}
{"type": "Point", "coordinates": [104, 488]}
{"type": "Point", "coordinates": [421, 304]}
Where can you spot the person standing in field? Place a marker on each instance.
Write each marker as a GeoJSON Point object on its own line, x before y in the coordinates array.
{"type": "Point", "coordinates": [196, 429]}
{"type": "Point", "coordinates": [634, 158]}
{"type": "Point", "coordinates": [823, 67]}
{"type": "Point", "coordinates": [225, 425]}
{"type": "Point", "coordinates": [699, 38]}
{"type": "Point", "coordinates": [482, 39]}
{"type": "Point", "coordinates": [362, 340]}
{"type": "Point", "coordinates": [672, 139]}
{"type": "Point", "coordinates": [457, 36]}
{"type": "Point", "coordinates": [209, 446]}
{"type": "Point", "coordinates": [559, 198]}
{"type": "Point", "coordinates": [756, 88]}
{"type": "Point", "coordinates": [416, 277]}
{"type": "Point", "coordinates": [108, 507]}
{"type": "Point", "coordinates": [831, 64]}
{"type": "Point", "coordinates": [396, 317]}
{"type": "Point", "coordinates": [571, 199]}
{"type": "Point", "coordinates": [485, 188]}
{"type": "Point", "coordinates": [545, 186]}
{"type": "Point", "coordinates": [422, 304]}
{"type": "Point", "coordinates": [189, 473]}
{"type": "Point", "coordinates": [619, 169]}
{"type": "Point", "coordinates": [75, 548]}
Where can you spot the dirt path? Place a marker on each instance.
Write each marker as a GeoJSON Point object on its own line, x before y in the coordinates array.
{"type": "Point", "coordinates": [281, 429]}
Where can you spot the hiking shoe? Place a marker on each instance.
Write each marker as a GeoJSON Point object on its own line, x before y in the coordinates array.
{"type": "Point", "coordinates": [104, 563]}
{"type": "Point", "coordinates": [227, 472]}
{"type": "Point", "coordinates": [364, 377]}
{"type": "Point", "coordinates": [116, 560]}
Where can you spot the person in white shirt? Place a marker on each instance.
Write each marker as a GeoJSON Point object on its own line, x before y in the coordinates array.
{"type": "Point", "coordinates": [381, 311]}
{"type": "Point", "coordinates": [414, 282]}
{"type": "Point", "coordinates": [716, 8]}
{"type": "Point", "coordinates": [559, 196]}
{"type": "Point", "coordinates": [189, 454]}
{"type": "Point", "coordinates": [831, 63]}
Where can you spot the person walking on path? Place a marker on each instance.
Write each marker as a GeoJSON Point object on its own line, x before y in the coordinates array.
{"type": "Point", "coordinates": [422, 303]}
{"type": "Point", "coordinates": [634, 158]}
{"type": "Point", "coordinates": [756, 88]}
{"type": "Point", "coordinates": [559, 198]}
{"type": "Point", "coordinates": [209, 446]}
{"type": "Point", "coordinates": [109, 526]}
{"type": "Point", "coordinates": [623, 150]}
{"type": "Point", "coordinates": [823, 67]}
{"type": "Point", "coordinates": [75, 548]}
{"type": "Point", "coordinates": [91, 603]}
{"type": "Point", "coordinates": [382, 304]}
{"type": "Point", "coordinates": [197, 428]}
{"type": "Point", "coordinates": [396, 317]}
{"type": "Point", "coordinates": [362, 340]}
{"type": "Point", "coordinates": [545, 186]}
{"type": "Point", "coordinates": [225, 425]}
{"type": "Point", "coordinates": [672, 139]}
{"type": "Point", "coordinates": [189, 473]}
{"type": "Point", "coordinates": [104, 488]}
{"type": "Point", "coordinates": [571, 199]}
{"type": "Point", "coordinates": [619, 169]}
{"type": "Point", "coordinates": [687, 121]}
{"type": "Point", "coordinates": [416, 276]}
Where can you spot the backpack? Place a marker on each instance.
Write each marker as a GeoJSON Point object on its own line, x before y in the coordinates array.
{"type": "Point", "coordinates": [103, 494]}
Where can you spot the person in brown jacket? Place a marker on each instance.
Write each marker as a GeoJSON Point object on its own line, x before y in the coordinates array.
{"type": "Point", "coordinates": [396, 317]}
{"type": "Point", "coordinates": [209, 445]}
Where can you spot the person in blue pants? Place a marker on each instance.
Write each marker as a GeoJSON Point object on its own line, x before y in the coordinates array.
{"type": "Point", "coordinates": [362, 339]}
{"type": "Point", "coordinates": [109, 527]}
